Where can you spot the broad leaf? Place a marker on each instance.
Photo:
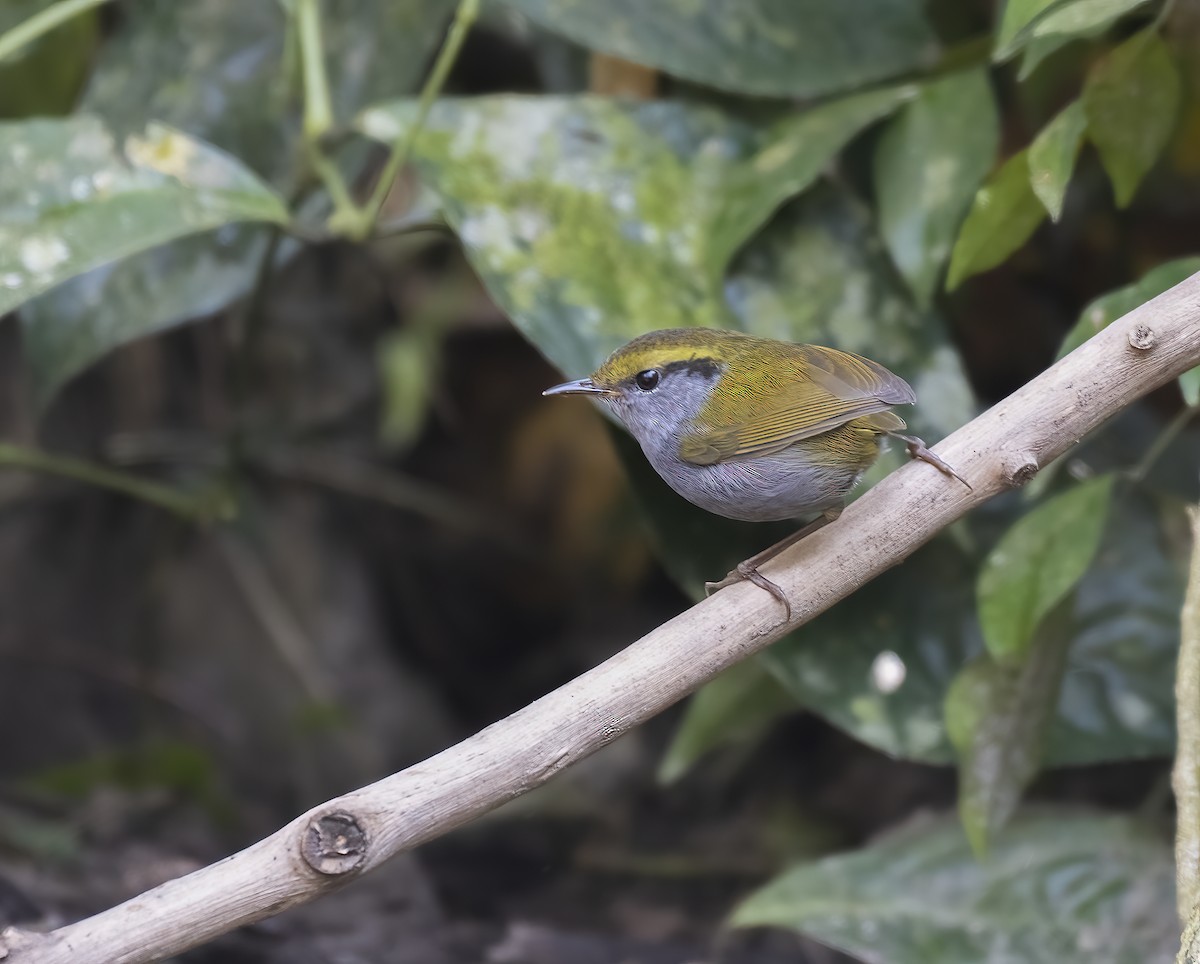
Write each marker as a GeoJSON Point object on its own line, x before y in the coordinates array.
{"type": "Point", "coordinates": [781, 48]}
{"type": "Point", "coordinates": [1052, 157]}
{"type": "Point", "coordinates": [71, 200]}
{"type": "Point", "coordinates": [928, 165]}
{"type": "Point", "coordinates": [1003, 216]}
{"type": "Point", "coordinates": [817, 274]}
{"type": "Point", "coordinates": [1116, 700]}
{"type": "Point", "coordinates": [584, 217]}
{"type": "Point", "coordinates": [1074, 20]}
{"type": "Point", "coordinates": [1037, 562]}
{"type": "Point", "coordinates": [1064, 887]}
{"type": "Point", "coordinates": [736, 707]}
{"type": "Point", "coordinates": [592, 221]}
{"type": "Point", "coordinates": [794, 153]}
{"type": "Point", "coordinates": [1132, 99]}
{"type": "Point", "coordinates": [1189, 384]}
{"type": "Point", "coordinates": [67, 329]}
{"type": "Point", "coordinates": [216, 70]}
{"type": "Point", "coordinates": [1083, 18]}
{"type": "Point", "coordinates": [1108, 308]}
{"type": "Point", "coordinates": [1028, 22]}
{"type": "Point", "coordinates": [997, 717]}
{"type": "Point", "coordinates": [1016, 23]}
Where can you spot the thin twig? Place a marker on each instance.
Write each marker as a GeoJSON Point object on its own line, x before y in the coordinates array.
{"type": "Point", "coordinates": [363, 480]}
{"type": "Point", "coordinates": [363, 222]}
{"type": "Point", "coordinates": [295, 647]}
{"type": "Point", "coordinates": [202, 507]}
{"type": "Point", "coordinates": [349, 835]}
{"type": "Point", "coordinates": [1162, 442]}
{"type": "Point", "coordinates": [42, 23]}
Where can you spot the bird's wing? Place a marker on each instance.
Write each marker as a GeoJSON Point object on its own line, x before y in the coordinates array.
{"type": "Point", "coordinates": [822, 389]}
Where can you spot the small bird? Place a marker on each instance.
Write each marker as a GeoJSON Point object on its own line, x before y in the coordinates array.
{"type": "Point", "coordinates": [753, 428]}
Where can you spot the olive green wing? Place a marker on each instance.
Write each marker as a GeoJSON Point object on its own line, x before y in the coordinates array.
{"type": "Point", "coordinates": [817, 390]}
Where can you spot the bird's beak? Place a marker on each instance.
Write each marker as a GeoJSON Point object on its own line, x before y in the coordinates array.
{"type": "Point", "coordinates": [584, 386]}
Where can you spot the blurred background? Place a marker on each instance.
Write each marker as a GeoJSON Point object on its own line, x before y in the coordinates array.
{"type": "Point", "coordinates": [282, 510]}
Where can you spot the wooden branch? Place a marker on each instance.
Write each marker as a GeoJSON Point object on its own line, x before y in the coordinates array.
{"type": "Point", "coordinates": [347, 836]}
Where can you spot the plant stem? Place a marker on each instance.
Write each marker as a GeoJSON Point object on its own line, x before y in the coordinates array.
{"type": "Point", "coordinates": [42, 23]}
{"type": "Point", "coordinates": [1162, 441]}
{"type": "Point", "coordinates": [332, 178]}
{"type": "Point", "coordinates": [318, 108]}
{"type": "Point", "coordinates": [190, 507]}
{"type": "Point", "coordinates": [363, 222]}
{"type": "Point", "coordinates": [318, 104]}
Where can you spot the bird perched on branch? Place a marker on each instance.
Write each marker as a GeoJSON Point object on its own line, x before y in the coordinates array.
{"type": "Point", "coordinates": [753, 428]}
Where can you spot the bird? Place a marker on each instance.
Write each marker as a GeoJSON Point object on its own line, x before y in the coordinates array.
{"type": "Point", "coordinates": [752, 428]}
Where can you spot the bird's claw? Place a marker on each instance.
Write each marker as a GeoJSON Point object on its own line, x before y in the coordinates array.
{"type": "Point", "coordinates": [747, 573]}
{"type": "Point", "coordinates": [917, 449]}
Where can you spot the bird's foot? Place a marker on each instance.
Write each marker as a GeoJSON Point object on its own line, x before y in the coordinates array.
{"type": "Point", "coordinates": [918, 450]}
{"type": "Point", "coordinates": [748, 573]}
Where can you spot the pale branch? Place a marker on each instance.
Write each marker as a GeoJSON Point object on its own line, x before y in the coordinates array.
{"type": "Point", "coordinates": [345, 837]}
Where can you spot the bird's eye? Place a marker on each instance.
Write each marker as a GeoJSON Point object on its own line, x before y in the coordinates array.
{"type": "Point", "coordinates": [648, 380]}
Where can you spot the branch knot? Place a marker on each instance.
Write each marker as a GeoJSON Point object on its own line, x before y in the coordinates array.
{"type": "Point", "coordinates": [1142, 337]}
{"type": "Point", "coordinates": [1020, 470]}
{"type": "Point", "coordinates": [334, 843]}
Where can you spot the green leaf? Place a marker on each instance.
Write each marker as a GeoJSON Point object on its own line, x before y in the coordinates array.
{"type": "Point", "coordinates": [1052, 157]}
{"type": "Point", "coordinates": [1132, 99]}
{"type": "Point", "coordinates": [918, 614]}
{"type": "Point", "coordinates": [1003, 216]}
{"type": "Point", "coordinates": [1038, 50]}
{"type": "Point", "coordinates": [1108, 308]}
{"type": "Point", "coordinates": [737, 707]}
{"type": "Point", "coordinates": [71, 200]}
{"type": "Point", "coordinates": [69, 327]}
{"type": "Point", "coordinates": [792, 155]}
{"type": "Point", "coordinates": [817, 274]}
{"type": "Point", "coordinates": [1026, 22]}
{"type": "Point", "coordinates": [1075, 20]}
{"type": "Point", "coordinates": [591, 221]}
{"type": "Point", "coordinates": [1016, 22]}
{"type": "Point", "coordinates": [409, 362]}
{"type": "Point", "coordinates": [1066, 887]}
{"type": "Point", "coordinates": [1189, 384]}
{"type": "Point", "coordinates": [1083, 18]}
{"type": "Point", "coordinates": [1037, 562]}
{"type": "Point", "coordinates": [584, 217]}
{"type": "Point", "coordinates": [1116, 700]}
{"type": "Point", "coordinates": [997, 717]}
{"type": "Point", "coordinates": [928, 165]}
{"type": "Point", "coordinates": [216, 70]}
{"type": "Point", "coordinates": [775, 48]}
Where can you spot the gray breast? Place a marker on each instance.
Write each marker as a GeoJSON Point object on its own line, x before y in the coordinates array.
{"type": "Point", "coordinates": [786, 485]}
